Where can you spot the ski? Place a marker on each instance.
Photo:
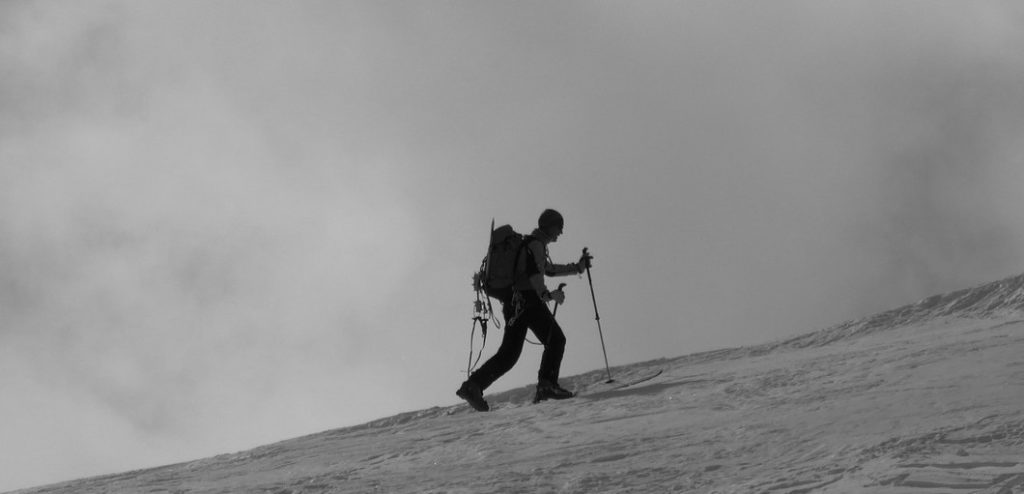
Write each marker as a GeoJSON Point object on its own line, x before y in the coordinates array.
{"type": "Point", "coordinates": [606, 386]}
{"type": "Point", "coordinates": [615, 384]}
{"type": "Point", "coordinates": [631, 382]}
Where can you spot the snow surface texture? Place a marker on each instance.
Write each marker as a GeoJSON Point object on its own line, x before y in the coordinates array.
{"type": "Point", "coordinates": [923, 399]}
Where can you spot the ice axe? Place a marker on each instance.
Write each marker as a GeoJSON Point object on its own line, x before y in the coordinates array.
{"type": "Point", "coordinates": [555, 312]}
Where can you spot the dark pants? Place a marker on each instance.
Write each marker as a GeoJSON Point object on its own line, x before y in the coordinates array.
{"type": "Point", "coordinates": [534, 315]}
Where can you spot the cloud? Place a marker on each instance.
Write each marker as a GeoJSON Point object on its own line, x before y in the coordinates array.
{"type": "Point", "coordinates": [266, 207]}
{"type": "Point", "coordinates": [165, 249]}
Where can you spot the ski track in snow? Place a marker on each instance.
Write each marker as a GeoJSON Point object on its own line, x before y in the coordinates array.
{"type": "Point", "coordinates": [929, 405]}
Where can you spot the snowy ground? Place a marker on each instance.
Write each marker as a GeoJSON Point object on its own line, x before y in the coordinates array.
{"type": "Point", "coordinates": [924, 399]}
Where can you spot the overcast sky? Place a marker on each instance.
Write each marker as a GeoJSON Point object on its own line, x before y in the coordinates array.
{"type": "Point", "coordinates": [228, 223]}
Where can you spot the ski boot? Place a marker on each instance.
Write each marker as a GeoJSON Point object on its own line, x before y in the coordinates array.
{"type": "Point", "coordinates": [547, 390]}
{"type": "Point", "coordinates": [473, 395]}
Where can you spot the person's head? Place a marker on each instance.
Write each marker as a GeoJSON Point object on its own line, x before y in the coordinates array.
{"type": "Point", "coordinates": [551, 223]}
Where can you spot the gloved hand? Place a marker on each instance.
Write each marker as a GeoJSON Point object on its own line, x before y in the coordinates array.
{"type": "Point", "coordinates": [584, 262]}
{"type": "Point", "coordinates": [558, 296]}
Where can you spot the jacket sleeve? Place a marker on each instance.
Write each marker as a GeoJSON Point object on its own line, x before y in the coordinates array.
{"type": "Point", "coordinates": [548, 268]}
{"type": "Point", "coordinates": [552, 269]}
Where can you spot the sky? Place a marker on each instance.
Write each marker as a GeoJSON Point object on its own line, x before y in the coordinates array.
{"type": "Point", "coordinates": [228, 223]}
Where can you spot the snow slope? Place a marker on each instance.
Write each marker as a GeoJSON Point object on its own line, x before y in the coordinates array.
{"type": "Point", "coordinates": [927, 398]}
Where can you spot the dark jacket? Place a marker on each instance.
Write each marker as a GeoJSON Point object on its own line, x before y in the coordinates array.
{"type": "Point", "coordinates": [539, 264]}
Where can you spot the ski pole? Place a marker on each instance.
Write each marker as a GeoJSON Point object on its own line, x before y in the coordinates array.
{"type": "Point", "coordinates": [597, 317]}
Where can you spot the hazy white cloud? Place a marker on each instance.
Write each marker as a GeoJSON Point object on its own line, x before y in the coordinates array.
{"type": "Point", "coordinates": [227, 224]}
{"type": "Point", "coordinates": [172, 260]}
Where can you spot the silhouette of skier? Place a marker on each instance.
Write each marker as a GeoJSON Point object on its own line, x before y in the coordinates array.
{"type": "Point", "coordinates": [525, 307]}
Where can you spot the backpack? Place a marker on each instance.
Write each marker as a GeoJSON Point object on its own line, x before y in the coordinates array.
{"type": "Point", "coordinates": [505, 262]}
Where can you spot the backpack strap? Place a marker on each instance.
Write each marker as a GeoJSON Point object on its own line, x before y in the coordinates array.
{"type": "Point", "coordinates": [527, 268]}
{"type": "Point", "coordinates": [519, 252]}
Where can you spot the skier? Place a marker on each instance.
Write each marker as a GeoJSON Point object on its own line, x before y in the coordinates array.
{"type": "Point", "coordinates": [525, 307]}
